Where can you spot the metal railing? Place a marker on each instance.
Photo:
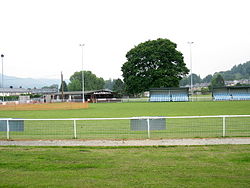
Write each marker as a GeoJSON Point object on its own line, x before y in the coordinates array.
{"type": "Point", "coordinates": [126, 128]}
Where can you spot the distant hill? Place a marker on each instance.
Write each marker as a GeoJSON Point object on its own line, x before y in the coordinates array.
{"type": "Point", "coordinates": [27, 82]}
{"type": "Point", "coordinates": [238, 72]}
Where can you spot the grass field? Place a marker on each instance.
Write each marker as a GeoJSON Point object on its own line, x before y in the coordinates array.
{"type": "Point", "coordinates": [179, 166]}
{"type": "Point", "coordinates": [140, 109]}
{"type": "Point", "coordinates": [43, 106]}
{"type": "Point", "coordinates": [193, 166]}
{"type": "Point", "coordinates": [120, 129]}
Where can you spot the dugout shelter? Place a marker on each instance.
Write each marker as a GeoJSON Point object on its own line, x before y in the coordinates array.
{"type": "Point", "coordinates": [171, 94]}
{"type": "Point", "coordinates": [103, 95]}
{"type": "Point", "coordinates": [231, 93]}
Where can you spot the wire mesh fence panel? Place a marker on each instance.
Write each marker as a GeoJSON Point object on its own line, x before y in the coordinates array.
{"type": "Point", "coordinates": [107, 129]}
{"type": "Point", "coordinates": [45, 129]}
{"type": "Point", "coordinates": [3, 135]}
{"type": "Point", "coordinates": [237, 126]}
{"type": "Point", "coordinates": [190, 128]}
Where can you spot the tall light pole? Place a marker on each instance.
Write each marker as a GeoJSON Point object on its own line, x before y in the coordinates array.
{"type": "Point", "coordinates": [2, 56]}
{"type": "Point", "coordinates": [83, 99]}
{"type": "Point", "coordinates": [191, 75]}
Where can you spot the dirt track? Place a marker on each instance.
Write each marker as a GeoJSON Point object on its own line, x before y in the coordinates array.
{"type": "Point", "coordinates": [165, 142]}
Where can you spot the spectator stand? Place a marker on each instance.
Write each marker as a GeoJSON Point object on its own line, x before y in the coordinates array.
{"type": "Point", "coordinates": [231, 93]}
{"type": "Point", "coordinates": [168, 94]}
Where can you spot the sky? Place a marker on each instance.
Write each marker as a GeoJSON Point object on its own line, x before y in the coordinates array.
{"type": "Point", "coordinates": [40, 38]}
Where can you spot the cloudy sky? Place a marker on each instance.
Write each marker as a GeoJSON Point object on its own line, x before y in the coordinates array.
{"type": "Point", "coordinates": [40, 38]}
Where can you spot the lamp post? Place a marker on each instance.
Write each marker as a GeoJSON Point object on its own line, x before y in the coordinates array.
{"type": "Point", "coordinates": [83, 99]}
{"type": "Point", "coordinates": [2, 56]}
{"type": "Point", "coordinates": [191, 73]}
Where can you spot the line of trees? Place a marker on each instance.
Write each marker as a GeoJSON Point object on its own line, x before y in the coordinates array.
{"type": "Point", "coordinates": [153, 64]}
{"type": "Point", "coordinates": [238, 72]}
{"type": "Point", "coordinates": [241, 71]}
{"type": "Point", "coordinates": [91, 82]}
{"type": "Point", "coordinates": [216, 80]}
{"type": "Point", "coordinates": [116, 85]}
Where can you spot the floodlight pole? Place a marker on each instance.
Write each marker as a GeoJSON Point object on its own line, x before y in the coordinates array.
{"type": "Point", "coordinates": [62, 87]}
{"type": "Point", "coordinates": [2, 56]}
{"type": "Point", "coordinates": [191, 73]}
{"type": "Point", "coordinates": [83, 99]}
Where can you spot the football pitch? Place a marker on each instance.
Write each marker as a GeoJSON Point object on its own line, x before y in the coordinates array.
{"type": "Point", "coordinates": [113, 110]}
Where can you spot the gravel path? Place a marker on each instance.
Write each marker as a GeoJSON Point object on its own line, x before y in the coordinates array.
{"type": "Point", "coordinates": [164, 142]}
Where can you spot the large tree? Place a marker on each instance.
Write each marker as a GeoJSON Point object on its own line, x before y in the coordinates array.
{"type": "Point", "coordinates": [91, 81]}
{"type": "Point", "coordinates": [153, 64]}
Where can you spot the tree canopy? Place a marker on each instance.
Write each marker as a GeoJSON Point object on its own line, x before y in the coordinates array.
{"type": "Point", "coordinates": [53, 86]}
{"type": "Point", "coordinates": [118, 87]}
{"type": "Point", "coordinates": [241, 71]}
{"type": "Point", "coordinates": [187, 80]}
{"type": "Point", "coordinates": [91, 81]}
{"type": "Point", "coordinates": [65, 87]}
{"type": "Point", "coordinates": [217, 81]}
{"type": "Point", "coordinates": [109, 84]}
{"type": "Point", "coordinates": [153, 64]}
{"type": "Point", "coordinates": [207, 79]}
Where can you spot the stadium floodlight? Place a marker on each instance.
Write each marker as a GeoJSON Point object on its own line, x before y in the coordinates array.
{"type": "Point", "coordinates": [2, 56]}
{"type": "Point", "coordinates": [83, 99]}
{"type": "Point", "coordinates": [191, 73]}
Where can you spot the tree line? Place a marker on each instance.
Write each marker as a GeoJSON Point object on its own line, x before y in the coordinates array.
{"type": "Point", "coordinates": [238, 72]}
{"type": "Point", "coordinates": [92, 82]}
{"type": "Point", "coordinates": [152, 64]}
{"type": "Point", "coordinates": [241, 71]}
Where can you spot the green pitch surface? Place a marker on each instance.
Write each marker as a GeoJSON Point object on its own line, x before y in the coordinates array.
{"type": "Point", "coordinates": [120, 129]}
{"type": "Point", "coordinates": [140, 109]}
{"type": "Point", "coordinates": [192, 166]}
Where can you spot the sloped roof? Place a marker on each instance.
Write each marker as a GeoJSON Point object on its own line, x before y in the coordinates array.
{"type": "Point", "coordinates": [86, 92]}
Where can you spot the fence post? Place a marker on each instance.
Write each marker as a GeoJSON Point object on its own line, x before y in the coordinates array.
{"type": "Point", "coordinates": [8, 129]}
{"type": "Point", "coordinates": [224, 126]}
{"type": "Point", "coordinates": [74, 128]}
{"type": "Point", "coordinates": [148, 128]}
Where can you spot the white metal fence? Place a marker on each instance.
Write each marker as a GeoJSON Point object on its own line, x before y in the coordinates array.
{"type": "Point", "coordinates": [126, 128]}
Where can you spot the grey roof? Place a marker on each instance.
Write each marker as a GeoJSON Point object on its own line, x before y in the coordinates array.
{"type": "Point", "coordinates": [85, 92]}
{"type": "Point", "coordinates": [23, 90]}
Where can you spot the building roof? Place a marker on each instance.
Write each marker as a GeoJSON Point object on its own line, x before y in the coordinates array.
{"type": "Point", "coordinates": [232, 87]}
{"type": "Point", "coordinates": [101, 91]}
{"type": "Point", "coordinates": [23, 90]}
{"type": "Point", "coordinates": [169, 88]}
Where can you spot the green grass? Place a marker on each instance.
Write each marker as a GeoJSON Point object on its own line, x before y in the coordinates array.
{"type": "Point", "coordinates": [140, 109]}
{"type": "Point", "coordinates": [193, 166]}
{"type": "Point", "coordinates": [190, 166]}
{"type": "Point", "coordinates": [120, 129]}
